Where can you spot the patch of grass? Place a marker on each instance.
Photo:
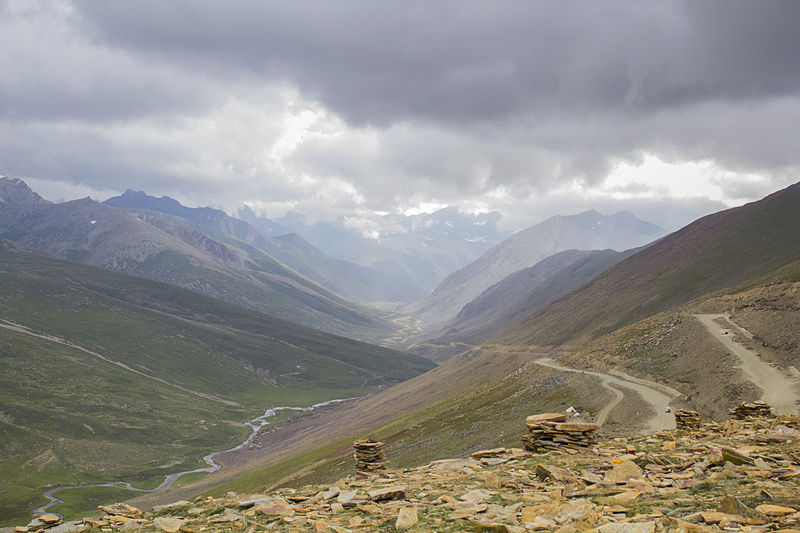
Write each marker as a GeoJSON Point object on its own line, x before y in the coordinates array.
{"type": "Point", "coordinates": [639, 508]}
{"type": "Point", "coordinates": [704, 487]}
{"type": "Point", "coordinates": [17, 500]}
{"type": "Point", "coordinates": [188, 479]}
{"type": "Point", "coordinates": [263, 478]}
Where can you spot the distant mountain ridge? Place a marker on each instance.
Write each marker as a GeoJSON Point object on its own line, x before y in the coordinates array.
{"type": "Point", "coordinates": [352, 281]}
{"type": "Point", "coordinates": [15, 192]}
{"type": "Point", "coordinates": [586, 231]}
{"type": "Point", "coordinates": [170, 249]}
{"type": "Point", "coordinates": [420, 249]}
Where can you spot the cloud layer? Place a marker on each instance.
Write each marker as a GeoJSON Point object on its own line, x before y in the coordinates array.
{"type": "Point", "coordinates": [334, 107]}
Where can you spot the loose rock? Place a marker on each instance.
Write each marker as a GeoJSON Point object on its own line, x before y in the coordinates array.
{"type": "Point", "coordinates": [168, 524]}
{"type": "Point", "coordinates": [406, 517]}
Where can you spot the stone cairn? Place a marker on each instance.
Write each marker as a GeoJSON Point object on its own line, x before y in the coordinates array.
{"type": "Point", "coordinates": [687, 419]}
{"type": "Point", "coordinates": [551, 431]}
{"type": "Point", "coordinates": [752, 410]}
{"type": "Point", "coordinates": [369, 455]}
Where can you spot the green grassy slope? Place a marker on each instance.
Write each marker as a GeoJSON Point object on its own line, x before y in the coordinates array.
{"type": "Point", "coordinates": [69, 416]}
{"type": "Point", "coordinates": [716, 251]}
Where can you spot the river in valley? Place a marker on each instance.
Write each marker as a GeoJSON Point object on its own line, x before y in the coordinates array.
{"type": "Point", "coordinates": [255, 425]}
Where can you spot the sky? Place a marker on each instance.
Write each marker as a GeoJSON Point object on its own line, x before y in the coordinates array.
{"type": "Point", "coordinates": [670, 110]}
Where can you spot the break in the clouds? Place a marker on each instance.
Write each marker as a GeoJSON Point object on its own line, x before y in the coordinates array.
{"type": "Point", "coordinates": [669, 109]}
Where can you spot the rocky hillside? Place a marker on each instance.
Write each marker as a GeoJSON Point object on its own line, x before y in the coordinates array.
{"type": "Point", "coordinates": [586, 231]}
{"type": "Point", "coordinates": [14, 192]}
{"type": "Point", "coordinates": [675, 348]}
{"type": "Point", "coordinates": [740, 475]}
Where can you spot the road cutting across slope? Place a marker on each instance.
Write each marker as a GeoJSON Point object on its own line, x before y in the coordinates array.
{"type": "Point", "coordinates": [50, 338]}
{"type": "Point", "coordinates": [658, 396]}
{"type": "Point", "coordinates": [780, 391]}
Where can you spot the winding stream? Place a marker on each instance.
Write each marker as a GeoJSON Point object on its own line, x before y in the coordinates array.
{"type": "Point", "coordinates": [255, 425]}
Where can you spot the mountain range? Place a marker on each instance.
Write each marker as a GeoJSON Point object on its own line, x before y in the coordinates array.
{"type": "Point", "coordinates": [717, 251]}
{"type": "Point", "coordinates": [637, 319]}
{"type": "Point", "coordinates": [586, 231]}
{"type": "Point", "coordinates": [131, 363]}
{"type": "Point", "coordinates": [513, 299]}
{"type": "Point", "coordinates": [354, 282]}
{"type": "Point", "coordinates": [191, 253]}
{"type": "Point", "coordinates": [420, 249]}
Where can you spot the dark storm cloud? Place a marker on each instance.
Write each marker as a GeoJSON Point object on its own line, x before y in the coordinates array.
{"type": "Point", "coordinates": [381, 62]}
{"type": "Point", "coordinates": [504, 104]}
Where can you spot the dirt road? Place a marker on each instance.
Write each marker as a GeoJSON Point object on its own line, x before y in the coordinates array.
{"type": "Point", "coordinates": [780, 391]}
{"type": "Point", "coordinates": [602, 414]}
{"type": "Point", "coordinates": [656, 395]}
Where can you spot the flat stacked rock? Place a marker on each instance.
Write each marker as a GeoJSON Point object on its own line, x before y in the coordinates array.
{"type": "Point", "coordinates": [40, 523]}
{"type": "Point", "coordinates": [752, 410]}
{"type": "Point", "coordinates": [551, 431]}
{"type": "Point", "coordinates": [369, 455]}
{"type": "Point", "coordinates": [686, 419]}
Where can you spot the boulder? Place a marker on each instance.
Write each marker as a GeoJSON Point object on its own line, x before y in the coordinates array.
{"type": "Point", "coordinates": [623, 471]}
{"type": "Point", "coordinates": [387, 493]}
{"type": "Point", "coordinates": [121, 509]}
{"type": "Point", "coordinates": [775, 510]}
{"type": "Point", "coordinates": [406, 518]}
{"type": "Point", "coordinates": [275, 507]}
{"type": "Point", "coordinates": [168, 524]}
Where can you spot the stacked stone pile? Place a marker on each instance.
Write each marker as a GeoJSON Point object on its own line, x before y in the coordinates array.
{"type": "Point", "coordinates": [369, 455]}
{"type": "Point", "coordinates": [551, 431]}
{"type": "Point", "coordinates": [40, 523]}
{"type": "Point", "coordinates": [687, 419]}
{"type": "Point", "coordinates": [755, 409]}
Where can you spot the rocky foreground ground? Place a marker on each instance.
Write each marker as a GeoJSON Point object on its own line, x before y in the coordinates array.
{"type": "Point", "coordinates": [731, 476]}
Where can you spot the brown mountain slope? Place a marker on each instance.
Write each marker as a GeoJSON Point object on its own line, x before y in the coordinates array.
{"type": "Point", "coordinates": [585, 231]}
{"type": "Point", "coordinates": [714, 252]}
{"type": "Point", "coordinates": [512, 300]}
{"type": "Point", "coordinates": [349, 280]}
